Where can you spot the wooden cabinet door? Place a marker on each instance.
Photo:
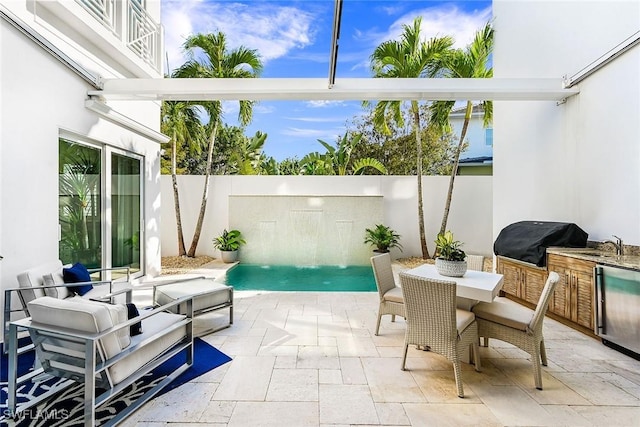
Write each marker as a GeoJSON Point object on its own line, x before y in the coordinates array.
{"type": "Point", "coordinates": [511, 280]}
{"type": "Point", "coordinates": [532, 284]}
{"type": "Point", "coordinates": [573, 298]}
{"type": "Point", "coordinates": [559, 300]}
{"type": "Point", "coordinates": [582, 312]}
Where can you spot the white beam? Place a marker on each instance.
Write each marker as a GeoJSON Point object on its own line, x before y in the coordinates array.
{"type": "Point", "coordinates": [354, 89]}
{"type": "Point", "coordinates": [120, 119]}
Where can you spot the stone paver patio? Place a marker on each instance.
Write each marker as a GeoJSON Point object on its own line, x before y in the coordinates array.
{"type": "Point", "coordinates": [311, 359]}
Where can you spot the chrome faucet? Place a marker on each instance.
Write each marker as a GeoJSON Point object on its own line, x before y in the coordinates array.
{"type": "Point", "coordinates": [617, 244]}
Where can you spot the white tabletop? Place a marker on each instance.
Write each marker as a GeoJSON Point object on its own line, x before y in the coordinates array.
{"type": "Point", "coordinates": [474, 285]}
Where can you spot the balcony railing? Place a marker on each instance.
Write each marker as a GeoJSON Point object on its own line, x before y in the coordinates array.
{"type": "Point", "coordinates": [130, 23]}
{"type": "Point", "coordinates": [103, 10]}
{"type": "Point", "coordinates": [143, 34]}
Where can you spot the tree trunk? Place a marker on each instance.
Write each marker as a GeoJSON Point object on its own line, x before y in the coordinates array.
{"type": "Point", "coordinates": [205, 194]}
{"type": "Point", "coordinates": [416, 120]}
{"type": "Point", "coordinates": [454, 171]}
{"type": "Point", "coordinates": [176, 200]}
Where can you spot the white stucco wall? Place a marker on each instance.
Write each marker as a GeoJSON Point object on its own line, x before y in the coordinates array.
{"type": "Point", "coordinates": [39, 98]}
{"type": "Point", "coordinates": [579, 161]}
{"type": "Point", "coordinates": [470, 218]}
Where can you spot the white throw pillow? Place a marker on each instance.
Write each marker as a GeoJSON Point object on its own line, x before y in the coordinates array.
{"type": "Point", "coordinates": [55, 279]}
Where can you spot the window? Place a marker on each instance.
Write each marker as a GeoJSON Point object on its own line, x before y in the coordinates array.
{"type": "Point", "coordinates": [488, 137]}
{"type": "Point", "coordinates": [93, 181]}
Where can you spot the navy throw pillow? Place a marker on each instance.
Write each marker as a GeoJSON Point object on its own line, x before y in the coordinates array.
{"type": "Point", "coordinates": [132, 311]}
{"type": "Point", "coordinates": [76, 274]}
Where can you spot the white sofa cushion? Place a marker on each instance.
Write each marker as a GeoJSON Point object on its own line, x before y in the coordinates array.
{"type": "Point", "coordinates": [206, 294]}
{"type": "Point", "coordinates": [118, 313]}
{"type": "Point", "coordinates": [156, 324]}
{"type": "Point", "coordinates": [33, 277]}
{"type": "Point", "coordinates": [77, 314]}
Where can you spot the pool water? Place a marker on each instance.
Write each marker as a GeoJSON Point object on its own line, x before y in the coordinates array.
{"type": "Point", "coordinates": [325, 278]}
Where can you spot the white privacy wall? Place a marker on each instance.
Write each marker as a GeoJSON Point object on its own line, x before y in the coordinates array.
{"type": "Point", "coordinates": [579, 161]}
{"type": "Point", "coordinates": [470, 217]}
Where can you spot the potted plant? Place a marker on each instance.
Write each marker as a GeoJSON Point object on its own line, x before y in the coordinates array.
{"type": "Point", "coordinates": [228, 244]}
{"type": "Point", "coordinates": [450, 260]}
{"type": "Point", "coordinates": [383, 238]}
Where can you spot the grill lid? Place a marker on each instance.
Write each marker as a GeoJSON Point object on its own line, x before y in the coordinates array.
{"type": "Point", "coordinates": [528, 240]}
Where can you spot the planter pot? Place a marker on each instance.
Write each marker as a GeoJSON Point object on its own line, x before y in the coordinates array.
{"type": "Point", "coordinates": [451, 268]}
{"type": "Point", "coordinates": [229, 256]}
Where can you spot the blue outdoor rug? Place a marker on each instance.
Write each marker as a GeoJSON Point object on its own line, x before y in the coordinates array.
{"type": "Point", "coordinates": [66, 408]}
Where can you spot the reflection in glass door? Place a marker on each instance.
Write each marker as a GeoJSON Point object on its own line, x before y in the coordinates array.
{"type": "Point", "coordinates": [125, 212]}
{"type": "Point", "coordinates": [80, 204]}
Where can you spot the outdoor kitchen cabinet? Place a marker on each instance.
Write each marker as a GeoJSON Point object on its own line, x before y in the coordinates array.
{"type": "Point", "coordinates": [521, 280]}
{"type": "Point", "coordinates": [573, 298]}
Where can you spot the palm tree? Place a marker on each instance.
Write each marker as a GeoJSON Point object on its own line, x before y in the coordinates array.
{"type": "Point", "coordinates": [409, 57]}
{"type": "Point", "coordinates": [217, 62]}
{"type": "Point", "coordinates": [471, 62]}
{"type": "Point", "coordinates": [180, 121]}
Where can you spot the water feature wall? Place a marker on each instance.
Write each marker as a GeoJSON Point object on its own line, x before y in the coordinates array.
{"type": "Point", "coordinates": [305, 230]}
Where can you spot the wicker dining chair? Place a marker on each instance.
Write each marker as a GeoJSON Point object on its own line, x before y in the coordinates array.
{"type": "Point", "coordinates": [434, 321]}
{"type": "Point", "coordinates": [507, 321]}
{"type": "Point", "coordinates": [391, 300]}
{"type": "Point", "coordinates": [475, 262]}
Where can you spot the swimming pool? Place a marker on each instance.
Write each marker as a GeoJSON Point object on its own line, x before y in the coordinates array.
{"type": "Point", "coordinates": [324, 278]}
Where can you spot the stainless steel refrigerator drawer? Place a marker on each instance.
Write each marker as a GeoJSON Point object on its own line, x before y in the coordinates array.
{"type": "Point", "coordinates": [618, 306]}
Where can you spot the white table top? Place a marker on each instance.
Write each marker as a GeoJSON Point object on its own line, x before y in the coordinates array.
{"type": "Point", "coordinates": [474, 285]}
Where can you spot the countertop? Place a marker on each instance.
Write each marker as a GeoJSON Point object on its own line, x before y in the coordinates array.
{"type": "Point", "coordinates": [600, 256]}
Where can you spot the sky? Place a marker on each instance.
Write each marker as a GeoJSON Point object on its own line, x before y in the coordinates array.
{"type": "Point", "coordinates": [293, 39]}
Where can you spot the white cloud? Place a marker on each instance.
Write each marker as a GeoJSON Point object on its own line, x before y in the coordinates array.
{"type": "Point", "coordinates": [390, 9]}
{"type": "Point", "coordinates": [317, 119]}
{"type": "Point", "coordinates": [324, 103]}
{"type": "Point", "coordinates": [324, 134]}
{"type": "Point", "coordinates": [303, 133]}
{"type": "Point", "coordinates": [436, 21]}
{"type": "Point", "coordinates": [441, 21]}
{"type": "Point", "coordinates": [273, 30]}
{"type": "Point", "coordinates": [263, 109]}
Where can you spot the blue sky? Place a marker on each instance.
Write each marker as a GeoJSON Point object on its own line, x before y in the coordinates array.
{"type": "Point", "coordinates": [293, 39]}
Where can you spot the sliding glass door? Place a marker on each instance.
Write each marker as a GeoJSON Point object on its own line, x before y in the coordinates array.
{"type": "Point", "coordinates": [80, 204]}
{"type": "Point", "coordinates": [125, 211]}
{"type": "Point", "coordinates": [100, 206]}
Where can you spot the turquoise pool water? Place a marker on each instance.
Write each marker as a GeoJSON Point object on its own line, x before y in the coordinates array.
{"type": "Point", "coordinates": [325, 278]}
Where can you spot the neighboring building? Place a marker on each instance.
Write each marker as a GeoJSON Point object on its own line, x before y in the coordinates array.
{"type": "Point", "coordinates": [79, 180]}
{"type": "Point", "coordinates": [476, 166]}
{"type": "Point", "coordinates": [478, 158]}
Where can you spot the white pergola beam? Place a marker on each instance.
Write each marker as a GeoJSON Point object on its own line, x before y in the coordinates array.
{"type": "Point", "coordinates": [354, 89]}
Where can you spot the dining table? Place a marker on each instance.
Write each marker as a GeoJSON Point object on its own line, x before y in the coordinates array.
{"type": "Point", "coordinates": [473, 287]}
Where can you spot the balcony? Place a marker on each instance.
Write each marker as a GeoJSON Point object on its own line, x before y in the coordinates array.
{"type": "Point", "coordinates": [131, 24]}
{"type": "Point", "coordinates": [124, 30]}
